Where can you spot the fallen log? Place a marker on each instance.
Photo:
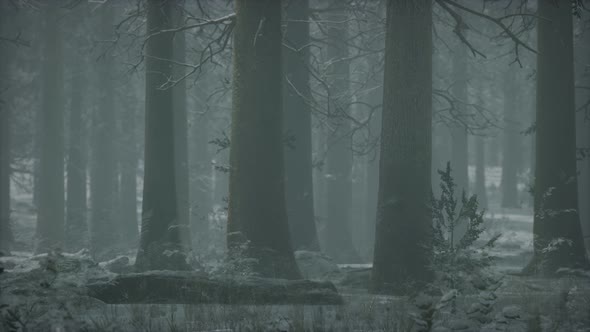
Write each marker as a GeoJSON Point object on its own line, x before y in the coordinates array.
{"type": "Point", "coordinates": [168, 287]}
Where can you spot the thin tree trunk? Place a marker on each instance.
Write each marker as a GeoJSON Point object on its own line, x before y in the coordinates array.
{"type": "Point", "coordinates": [76, 209]}
{"type": "Point", "coordinates": [556, 222]}
{"type": "Point", "coordinates": [181, 133]}
{"type": "Point", "coordinates": [403, 232]}
{"type": "Point", "coordinates": [128, 181]}
{"type": "Point", "coordinates": [480, 169]}
{"type": "Point", "coordinates": [459, 159]}
{"type": "Point", "coordinates": [257, 217]}
{"type": "Point", "coordinates": [297, 123]}
{"type": "Point", "coordinates": [511, 140]}
{"type": "Point", "coordinates": [160, 245]}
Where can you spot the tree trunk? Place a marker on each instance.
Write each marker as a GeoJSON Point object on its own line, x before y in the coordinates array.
{"type": "Point", "coordinates": [200, 166]}
{"type": "Point", "coordinates": [404, 223]}
{"type": "Point", "coordinates": [50, 218]}
{"type": "Point", "coordinates": [556, 222]}
{"type": "Point", "coordinates": [459, 159]}
{"type": "Point", "coordinates": [128, 181]}
{"type": "Point", "coordinates": [257, 217]}
{"type": "Point", "coordinates": [160, 246]}
{"type": "Point", "coordinates": [582, 70]}
{"type": "Point", "coordinates": [339, 158]}
{"type": "Point", "coordinates": [103, 180]}
{"type": "Point", "coordinates": [5, 146]}
{"type": "Point", "coordinates": [511, 138]}
{"type": "Point", "coordinates": [181, 133]}
{"type": "Point", "coordinates": [76, 224]}
{"type": "Point", "coordinates": [480, 169]}
{"type": "Point", "coordinates": [297, 125]}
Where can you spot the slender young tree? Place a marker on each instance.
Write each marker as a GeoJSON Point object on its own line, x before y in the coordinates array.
{"type": "Point", "coordinates": [50, 217]}
{"type": "Point", "coordinates": [257, 216]}
{"type": "Point", "coordinates": [76, 225]}
{"type": "Point", "coordinates": [480, 170]}
{"type": "Point", "coordinates": [339, 157]}
{"type": "Point", "coordinates": [404, 222]}
{"type": "Point", "coordinates": [160, 239]}
{"type": "Point", "coordinates": [297, 125]}
{"type": "Point", "coordinates": [557, 233]}
{"type": "Point", "coordinates": [103, 180]}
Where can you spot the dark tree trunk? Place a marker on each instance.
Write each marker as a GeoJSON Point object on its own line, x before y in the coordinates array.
{"type": "Point", "coordinates": [582, 70]}
{"type": "Point", "coordinates": [50, 218]}
{"type": "Point", "coordinates": [5, 153]}
{"type": "Point", "coordinates": [511, 139]}
{"type": "Point", "coordinates": [339, 158]}
{"type": "Point", "coordinates": [104, 232]}
{"type": "Point", "coordinates": [480, 169]}
{"type": "Point", "coordinates": [556, 223]}
{"type": "Point", "coordinates": [181, 133]}
{"type": "Point", "coordinates": [160, 244]}
{"type": "Point", "coordinates": [257, 211]}
{"type": "Point", "coordinates": [404, 224]}
{"type": "Point", "coordinates": [459, 158]}
{"type": "Point", "coordinates": [297, 125]}
{"type": "Point", "coordinates": [76, 209]}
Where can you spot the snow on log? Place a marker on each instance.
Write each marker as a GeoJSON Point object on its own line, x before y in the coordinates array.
{"type": "Point", "coordinates": [168, 287]}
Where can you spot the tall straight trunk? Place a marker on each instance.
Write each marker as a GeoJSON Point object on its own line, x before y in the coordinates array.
{"type": "Point", "coordinates": [50, 218]}
{"type": "Point", "coordinates": [339, 158]}
{"type": "Point", "coordinates": [76, 224]}
{"type": "Point", "coordinates": [5, 152]}
{"type": "Point", "coordinates": [404, 222]}
{"type": "Point", "coordinates": [511, 150]}
{"type": "Point", "coordinates": [297, 125]}
{"type": "Point", "coordinates": [103, 180]}
{"type": "Point", "coordinates": [160, 245]}
{"type": "Point", "coordinates": [128, 181]}
{"type": "Point", "coordinates": [200, 175]}
{"type": "Point", "coordinates": [556, 222]}
{"type": "Point", "coordinates": [459, 142]}
{"type": "Point", "coordinates": [257, 216]}
{"type": "Point", "coordinates": [582, 70]}
{"type": "Point", "coordinates": [181, 133]}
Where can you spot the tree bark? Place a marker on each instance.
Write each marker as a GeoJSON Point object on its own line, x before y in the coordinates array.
{"type": "Point", "coordinates": [556, 222]}
{"type": "Point", "coordinates": [512, 143]}
{"type": "Point", "coordinates": [5, 147]}
{"type": "Point", "coordinates": [50, 218]}
{"type": "Point", "coordinates": [257, 216]}
{"type": "Point", "coordinates": [181, 133]}
{"type": "Point", "coordinates": [459, 157]}
{"type": "Point", "coordinates": [76, 209]}
{"type": "Point", "coordinates": [103, 180]}
{"type": "Point", "coordinates": [160, 246]}
{"type": "Point", "coordinates": [297, 125]}
{"type": "Point", "coordinates": [339, 158]}
{"type": "Point", "coordinates": [404, 223]}
{"type": "Point", "coordinates": [480, 169]}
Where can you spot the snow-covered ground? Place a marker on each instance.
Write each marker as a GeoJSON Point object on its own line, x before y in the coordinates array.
{"type": "Point", "coordinates": [46, 292]}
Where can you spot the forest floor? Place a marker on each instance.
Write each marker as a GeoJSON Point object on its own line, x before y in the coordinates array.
{"type": "Point", "coordinates": [48, 293]}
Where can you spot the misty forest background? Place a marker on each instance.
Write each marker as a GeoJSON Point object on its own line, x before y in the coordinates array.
{"type": "Point", "coordinates": [382, 146]}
